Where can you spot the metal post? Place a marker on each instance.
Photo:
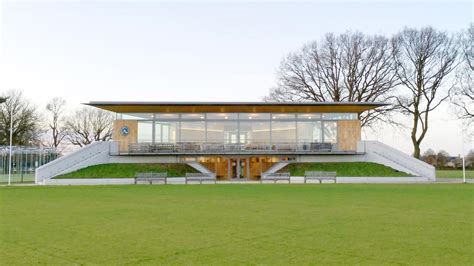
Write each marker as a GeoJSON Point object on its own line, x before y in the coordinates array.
{"type": "Point", "coordinates": [462, 154]}
{"type": "Point", "coordinates": [11, 145]}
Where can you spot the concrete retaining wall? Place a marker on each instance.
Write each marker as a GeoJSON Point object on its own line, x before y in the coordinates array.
{"type": "Point", "coordinates": [377, 152]}
{"type": "Point", "coordinates": [92, 154]}
{"type": "Point", "coordinates": [294, 180]}
{"type": "Point", "coordinates": [90, 181]}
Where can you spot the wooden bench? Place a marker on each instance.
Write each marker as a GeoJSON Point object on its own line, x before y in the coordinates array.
{"type": "Point", "coordinates": [151, 177]}
{"type": "Point", "coordinates": [200, 177]}
{"type": "Point", "coordinates": [319, 175]}
{"type": "Point", "coordinates": [276, 177]}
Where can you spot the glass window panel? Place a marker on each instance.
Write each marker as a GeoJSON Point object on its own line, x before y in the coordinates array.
{"type": "Point", "coordinates": [193, 116]}
{"type": "Point", "coordinates": [254, 116]}
{"type": "Point", "coordinates": [283, 116]}
{"type": "Point", "coordinates": [340, 116]}
{"type": "Point", "coordinates": [309, 116]}
{"type": "Point", "coordinates": [145, 131]}
{"type": "Point", "coordinates": [166, 131]}
{"type": "Point", "coordinates": [309, 132]}
{"type": "Point", "coordinates": [222, 132]}
{"type": "Point", "coordinates": [193, 131]}
{"type": "Point", "coordinates": [255, 132]}
{"type": "Point", "coordinates": [135, 116]}
{"type": "Point", "coordinates": [330, 132]}
{"type": "Point", "coordinates": [167, 116]}
{"type": "Point", "coordinates": [283, 132]}
{"type": "Point", "coordinates": [223, 116]}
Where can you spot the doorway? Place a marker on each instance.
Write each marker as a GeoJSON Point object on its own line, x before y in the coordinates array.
{"type": "Point", "coordinates": [238, 168]}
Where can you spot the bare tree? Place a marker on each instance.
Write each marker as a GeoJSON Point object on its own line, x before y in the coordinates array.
{"type": "Point", "coordinates": [88, 124]}
{"type": "Point", "coordinates": [56, 122]}
{"type": "Point", "coordinates": [424, 60]}
{"type": "Point", "coordinates": [463, 93]}
{"type": "Point", "coordinates": [429, 156]}
{"type": "Point", "coordinates": [470, 159]}
{"type": "Point", "coordinates": [26, 126]}
{"type": "Point", "coordinates": [351, 67]}
{"type": "Point", "coordinates": [442, 158]}
{"type": "Point", "coordinates": [2, 100]}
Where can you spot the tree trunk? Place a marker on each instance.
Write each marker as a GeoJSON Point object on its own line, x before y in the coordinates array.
{"type": "Point", "coordinates": [416, 150]}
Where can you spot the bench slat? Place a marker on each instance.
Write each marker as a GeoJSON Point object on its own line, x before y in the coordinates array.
{"type": "Point", "coordinates": [276, 177]}
{"type": "Point", "coordinates": [200, 177]}
{"type": "Point", "coordinates": [151, 176]}
{"type": "Point", "coordinates": [320, 175]}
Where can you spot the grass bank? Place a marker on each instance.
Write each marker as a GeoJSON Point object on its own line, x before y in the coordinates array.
{"type": "Point", "coordinates": [128, 170]}
{"type": "Point", "coordinates": [344, 169]}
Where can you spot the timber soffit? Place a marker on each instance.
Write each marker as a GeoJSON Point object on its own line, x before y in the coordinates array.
{"type": "Point", "coordinates": [233, 107]}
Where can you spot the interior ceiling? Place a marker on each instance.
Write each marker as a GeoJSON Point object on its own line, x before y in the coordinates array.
{"type": "Point", "coordinates": [260, 107]}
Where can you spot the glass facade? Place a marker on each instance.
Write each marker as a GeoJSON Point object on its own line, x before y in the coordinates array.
{"type": "Point", "coordinates": [238, 128]}
{"type": "Point", "coordinates": [145, 131]}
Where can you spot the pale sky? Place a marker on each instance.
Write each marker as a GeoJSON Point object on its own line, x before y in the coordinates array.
{"type": "Point", "coordinates": [196, 50]}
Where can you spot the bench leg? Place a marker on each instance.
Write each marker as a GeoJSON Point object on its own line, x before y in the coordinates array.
{"type": "Point", "coordinates": [135, 181]}
{"type": "Point", "coordinates": [320, 181]}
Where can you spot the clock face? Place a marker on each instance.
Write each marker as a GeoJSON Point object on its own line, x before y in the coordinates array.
{"type": "Point", "coordinates": [124, 131]}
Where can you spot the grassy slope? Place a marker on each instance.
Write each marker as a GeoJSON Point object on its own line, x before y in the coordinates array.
{"type": "Point", "coordinates": [454, 173]}
{"type": "Point", "coordinates": [238, 224]}
{"type": "Point", "coordinates": [343, 169]}
{"type": "Point", "coordinates": [128, 170]}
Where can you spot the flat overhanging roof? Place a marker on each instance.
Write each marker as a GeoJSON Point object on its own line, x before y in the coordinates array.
{"type": "Point", "coordinates": [236, 107]}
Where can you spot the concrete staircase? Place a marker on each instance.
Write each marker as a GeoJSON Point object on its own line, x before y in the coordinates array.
{"type": "Point", "coordinates": [201, 168]}
{"type": "Point", "coordinates": [276, 167]}
{"type": "Point", "coordinates": [378, 152]}
{"type": "Point", "coordinates": [92, 154]}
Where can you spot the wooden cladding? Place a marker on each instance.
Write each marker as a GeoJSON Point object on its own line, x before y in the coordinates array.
{"type": "Point", "coordinates": [348, 134]}
{"type": "Point", "coordinates": [125, 140]}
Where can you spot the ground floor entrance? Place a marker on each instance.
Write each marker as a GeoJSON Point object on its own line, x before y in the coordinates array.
{"type": "Point", "coordinates": [239, 167]}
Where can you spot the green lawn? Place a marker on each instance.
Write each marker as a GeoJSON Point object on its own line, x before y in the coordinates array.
{"type": "Point", "coordinates": [128, 170]}
{"type": "Point", "coordinates": [344, 169]}
{"type": "Point", "coordinates": [454, 173]}
{"type": "Point", "coordinates": [429, 224]}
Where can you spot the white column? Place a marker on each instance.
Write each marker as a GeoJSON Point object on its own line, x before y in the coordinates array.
{"type": "Point", "coordinates": [11, 145]}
